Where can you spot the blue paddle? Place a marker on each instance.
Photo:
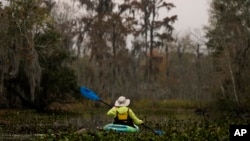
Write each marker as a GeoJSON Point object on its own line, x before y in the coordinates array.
{"type": "Point", "coordinates": [158, 132]}
{"type": "Point", "coordinates": [86, 92]}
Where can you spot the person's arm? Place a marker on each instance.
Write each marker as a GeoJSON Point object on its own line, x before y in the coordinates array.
{"type": "Point", "coordinates": [136, 120]}
{"type": "Point", "coordinates": [112, 112]}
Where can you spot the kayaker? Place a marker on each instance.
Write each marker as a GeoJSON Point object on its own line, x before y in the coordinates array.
{"type": "Point", "coordinates": [123, 114]}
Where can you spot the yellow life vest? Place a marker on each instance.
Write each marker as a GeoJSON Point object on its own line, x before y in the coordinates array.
{"type": "Point", "coordinates": [123, 116]}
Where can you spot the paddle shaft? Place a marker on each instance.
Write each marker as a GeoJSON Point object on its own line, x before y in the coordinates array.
{"type": "Point", "coordinates": [105, 103]}
{"type": "Point", "coordinates": [150, 128]}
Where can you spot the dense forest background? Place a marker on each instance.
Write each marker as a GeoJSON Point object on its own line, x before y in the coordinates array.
{"type": "Point", "coordinates": [46, 55]}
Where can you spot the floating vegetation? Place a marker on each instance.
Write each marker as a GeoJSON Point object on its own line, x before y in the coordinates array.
{"type": "Point", "coordinates": [174, 130]}
{"type": "Point", "coordinates": [30, 125]}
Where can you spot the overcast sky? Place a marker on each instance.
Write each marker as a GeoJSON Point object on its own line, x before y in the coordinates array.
{"type": "Point", "coordinates": [192, 14]}
{"type": "Point", "coordinates": [192, 17]}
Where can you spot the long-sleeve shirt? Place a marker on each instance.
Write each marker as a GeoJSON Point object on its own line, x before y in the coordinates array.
{"type": "Point", "coordinates": [113, 111]}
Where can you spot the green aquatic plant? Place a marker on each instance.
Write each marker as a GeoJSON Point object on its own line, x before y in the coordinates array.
{"type": "Point", "coordinates": [175, 130]}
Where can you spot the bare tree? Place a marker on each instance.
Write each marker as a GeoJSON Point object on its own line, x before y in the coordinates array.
{"type": "Point", "coordinates": [229, 40]}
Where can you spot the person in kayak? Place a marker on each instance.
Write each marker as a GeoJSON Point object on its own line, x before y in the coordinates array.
{"type": "Point", "coordinates": [123, 114]}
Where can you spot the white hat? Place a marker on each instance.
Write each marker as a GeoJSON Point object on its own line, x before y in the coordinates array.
{"type": "Point", "coordinates": [122, 101]}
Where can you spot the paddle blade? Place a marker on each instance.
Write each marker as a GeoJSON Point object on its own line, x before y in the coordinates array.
{"type": "Point", "coordinates": [159, 132]}
{"type": "Point", "coordinates": [89, 93]}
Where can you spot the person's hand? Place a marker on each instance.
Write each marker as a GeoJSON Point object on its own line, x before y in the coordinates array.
{"type": "Point", "coordinates": [142, 122]}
